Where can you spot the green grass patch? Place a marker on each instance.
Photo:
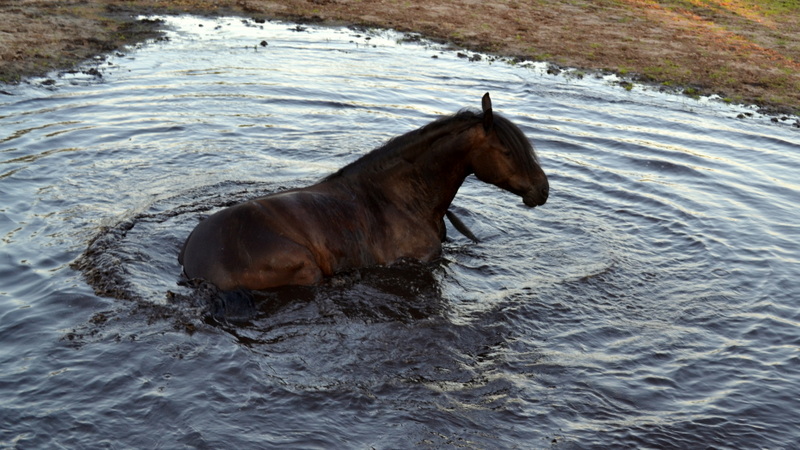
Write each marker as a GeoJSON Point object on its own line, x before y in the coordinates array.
{"type": "Point", "coordinates": [776, 7]}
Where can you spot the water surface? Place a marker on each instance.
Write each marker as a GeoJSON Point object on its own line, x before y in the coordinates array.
{"type": "Point", "coordinates": [651, 303]}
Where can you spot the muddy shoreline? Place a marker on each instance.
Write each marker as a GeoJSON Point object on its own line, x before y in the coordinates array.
{"type": "Point", "coordinates": [744, 54]}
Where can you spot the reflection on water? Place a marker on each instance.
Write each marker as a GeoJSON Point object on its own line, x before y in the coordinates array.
{"type": "Point", "coordinates": [650, 303]}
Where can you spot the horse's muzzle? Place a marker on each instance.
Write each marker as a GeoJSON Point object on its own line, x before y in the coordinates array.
{"type": "Point", "coordinates": [536, 196]}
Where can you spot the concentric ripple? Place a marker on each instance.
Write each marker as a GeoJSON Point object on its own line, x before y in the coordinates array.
{"type": "Point", "coordinates": [651, 303]}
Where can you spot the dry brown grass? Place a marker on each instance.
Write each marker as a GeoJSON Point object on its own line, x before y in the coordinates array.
{"type": "Point", "coordinates": [748, 51]}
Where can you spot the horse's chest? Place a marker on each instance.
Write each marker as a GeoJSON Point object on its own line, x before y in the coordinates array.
{"type": "Point", "coordinates": [412, 239]}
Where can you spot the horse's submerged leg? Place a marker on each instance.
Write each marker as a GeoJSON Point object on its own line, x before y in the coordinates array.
{"type": "Point", "coordinates": [460, 226]}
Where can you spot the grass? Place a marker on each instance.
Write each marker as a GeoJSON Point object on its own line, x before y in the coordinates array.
{"type": "Point", "coordinates": [749, 50]}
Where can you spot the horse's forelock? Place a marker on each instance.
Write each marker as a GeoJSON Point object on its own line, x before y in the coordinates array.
{"type": "Point", "coordinates": [512, 137]}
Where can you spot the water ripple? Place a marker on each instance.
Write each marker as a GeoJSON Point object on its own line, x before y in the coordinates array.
{"type": "Point", "coordinates": [649, 303]}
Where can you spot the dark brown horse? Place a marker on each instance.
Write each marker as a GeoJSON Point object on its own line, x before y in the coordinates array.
{"type": "Point", "coordinates": [388, 205]}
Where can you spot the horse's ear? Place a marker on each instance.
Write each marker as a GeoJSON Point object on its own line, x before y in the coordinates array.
{"type": "Point", "coordinates": [488, 117]}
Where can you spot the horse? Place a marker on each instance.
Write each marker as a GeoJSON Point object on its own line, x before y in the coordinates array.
{"type": "Point", "coordinates": [386, 206]}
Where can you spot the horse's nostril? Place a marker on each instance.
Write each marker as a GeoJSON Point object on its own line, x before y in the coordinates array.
{"type": "Point", "coordinates": [545, 191]}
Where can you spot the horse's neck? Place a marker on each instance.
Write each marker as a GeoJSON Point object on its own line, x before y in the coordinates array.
{"type": "Point", "coordinates": [428, 182]}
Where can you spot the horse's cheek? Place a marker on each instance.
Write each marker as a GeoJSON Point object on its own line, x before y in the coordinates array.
{"type": "Point", "coordinates": [486, 171]}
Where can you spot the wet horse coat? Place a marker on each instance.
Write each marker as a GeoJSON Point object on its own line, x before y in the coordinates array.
{"type": "Point", "coordinates": [385, 206]}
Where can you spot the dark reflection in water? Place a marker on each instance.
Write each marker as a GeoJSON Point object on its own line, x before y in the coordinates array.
{"type": "Point", "coordinates": [651, 303]}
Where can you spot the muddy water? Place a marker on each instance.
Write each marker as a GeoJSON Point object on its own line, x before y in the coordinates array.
{"type": "Point", "coordinates": [652, 302]}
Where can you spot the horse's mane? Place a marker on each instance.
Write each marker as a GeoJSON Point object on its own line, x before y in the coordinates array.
{"type": "Point", "coordinates": [410, 145]}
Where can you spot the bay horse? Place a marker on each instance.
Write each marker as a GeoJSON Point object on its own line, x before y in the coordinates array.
{"type": "Point", "coordinates": [387, 205]}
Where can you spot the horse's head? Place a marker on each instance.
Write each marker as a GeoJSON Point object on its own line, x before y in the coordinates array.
{"type": "Point", "coordinates": [503, 156]}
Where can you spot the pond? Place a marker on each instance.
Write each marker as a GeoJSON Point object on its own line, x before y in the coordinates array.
{"type": "Point", "coordinates": [652, 302]}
